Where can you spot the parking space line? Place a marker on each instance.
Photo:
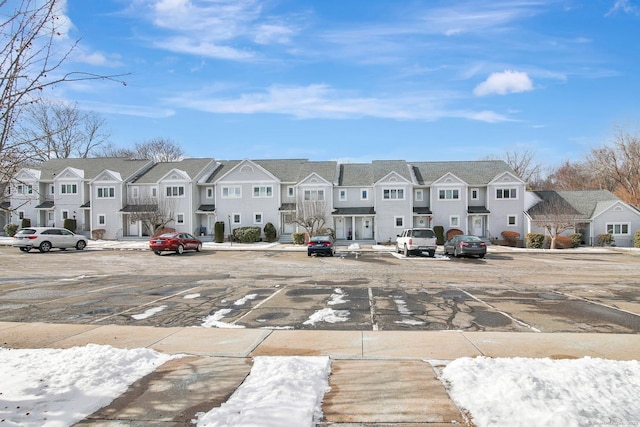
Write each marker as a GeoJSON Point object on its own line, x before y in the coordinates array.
{"type": "Point", "coordinates": [596, 303]}
{"type": "Point", "coordinates": [513, 319]}
{"type": "Point", "coordinates": [145, 305]}
{"type": "Point", "coordinates": [372, 310]}
{"type": "Point", "coordinates": [259, 304]}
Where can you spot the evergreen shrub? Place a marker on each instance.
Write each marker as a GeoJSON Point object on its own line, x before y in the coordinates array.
{"type": "Point", "coordinates": [26, 222]}
{"type": "Point", "coordinates": [70, 224]}
{"type": "Point", "coordinates": [636, 239]}
{"type": "Point", "coordinates": [576, 239]}
{"type": "Point", "coordinates": [11, 229]}
{"type": "Point", "coordinates": [298, 237]}
{"type": "Point", "coordinates": [535, 240]}
{"type": "Point", "coordinates": [605, 239]}
{"type": "Point", "coordinates": [247, 234]}
{"type": "Point", "coordinates": [439, 230]}
{"type": "Point", "coordinates": [218, 231]}
{"type": "Point", "coordinates": [270, 233]}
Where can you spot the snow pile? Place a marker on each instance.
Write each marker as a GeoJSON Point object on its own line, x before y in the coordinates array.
{"type": "Point", "coordinates": [279, 391]}
{"type": "Point", "coordinates": [52, 387]}
{"type": "Point", "coordinates": [526, 392]}
{"type": "Point", "coordinates": [330, 315]}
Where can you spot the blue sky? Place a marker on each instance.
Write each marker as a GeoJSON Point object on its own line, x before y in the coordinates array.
{"type": "Point", "coordinates": [361, 80]}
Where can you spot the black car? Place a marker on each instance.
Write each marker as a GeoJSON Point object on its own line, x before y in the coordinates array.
{"type": "Point", "coordinates": [465, 245]}
{"type": "Point", "coordinates": [321, 245]}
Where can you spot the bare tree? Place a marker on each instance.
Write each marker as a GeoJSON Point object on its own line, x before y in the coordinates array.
{"type": "Point", "coordinates": [572, 176]}
{"type": "Point", "coordinates": [553, 214]}
{"type": "Point", "coordinates": [153, 213]}
{"type": "Point", "coordinates": [617, 167]}
{"type": "Point", "coordinates": [57, 130]}
{"type": "Point", "coordinates": [523, 164]}
{"type": "Point", "coordinates": [311, 215]}
{"type": "Point", "coordinates": [31, 61]}
{"type": "Point", "coordinates": [156, 149]}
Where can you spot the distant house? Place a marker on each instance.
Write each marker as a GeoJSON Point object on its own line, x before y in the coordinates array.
{"type": "Point", "coordinates": [593, 212]}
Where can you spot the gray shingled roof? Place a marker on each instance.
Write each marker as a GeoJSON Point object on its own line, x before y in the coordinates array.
{"type": "Point", "coordinates": [586, 203]}
{"type": "Point", "coordinates": [382, 168]}
{"type": "Point", "coordinates": [286, 170]}
{"type": "Point", "coordinates": [191, 166]}
{"type": "Point", "coordinates": [477, 172]}
{"type": "Point", "coordinates": [91, 167]}
{"type": "Point", "coordinates": [355, 175]}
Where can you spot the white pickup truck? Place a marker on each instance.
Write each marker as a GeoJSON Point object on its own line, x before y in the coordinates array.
{"type": "Point", "coordinates": [417, 241]}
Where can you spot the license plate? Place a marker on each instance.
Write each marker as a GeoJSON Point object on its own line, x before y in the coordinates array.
{"type": "Point", "coordinates": [422, 248]}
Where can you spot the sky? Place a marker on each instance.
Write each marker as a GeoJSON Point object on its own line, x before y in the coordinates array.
{"type": "Point", "coordinates": [59, 387]}
{"type": "Point", "coordinates": [418, 80]}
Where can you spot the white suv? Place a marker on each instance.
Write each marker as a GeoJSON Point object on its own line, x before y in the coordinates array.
{"type": "Point", "coordinates": [45, 238]}
{"type": "Point", "coordinates": [417, 241]}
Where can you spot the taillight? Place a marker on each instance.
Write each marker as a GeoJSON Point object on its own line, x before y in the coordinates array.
{"type": "Point", "coordinates": [483, 244]}
{"type": "Point", "coordinates": [464, 244]}
{"type": "Point", "coordinates": [410, 242]}
{"type": "Point", "coordinates": [310, 244]}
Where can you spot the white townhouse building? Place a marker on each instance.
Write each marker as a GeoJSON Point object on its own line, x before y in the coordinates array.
{"type": "Point", "coordinates": [361, 201]}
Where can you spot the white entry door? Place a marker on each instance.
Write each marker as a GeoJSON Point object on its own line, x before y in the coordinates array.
{"type": "Point", "coordinates": [367, 228]}
{"type": "Point", "coordinates": [476, 226]}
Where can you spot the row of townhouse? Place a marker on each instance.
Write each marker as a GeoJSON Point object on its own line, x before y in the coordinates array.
{"type": "Point", "coordinates": [362, 201]}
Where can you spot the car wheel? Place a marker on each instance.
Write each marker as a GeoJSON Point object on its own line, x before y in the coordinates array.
{"type": "Point", "coordinates": [81, 245]}
{"type": "Point", "coordinates": [45, 246]}
{"type": "Point", "coordinates": [199, 247]}
{"type": "Point", "coordinates": [180, 250]}
{"type": "Point", "coordinates": [481, 256]}
{"type": "Point", "coordinates": [308, 253]}
{"type": "Point", "coordinates": [406, 251]}
{"type": "Point", "coordinates": [25, 249]}
{"type": "Point", "coordinates": [157, 252]}
{"type": "Point", "coordinates": [432, 254]}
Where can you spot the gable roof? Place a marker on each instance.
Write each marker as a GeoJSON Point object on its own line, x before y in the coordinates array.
{"type": "Point", "coordinates": [91, 166]}
{"type": "Point", "coordinates": [355, 175]}
{"type": "Point", "coordinates": [586, 204]}
{"type": "Point", "coordinates": [159, 170]}
{"type": "Point", "coordinates": [476, 172]}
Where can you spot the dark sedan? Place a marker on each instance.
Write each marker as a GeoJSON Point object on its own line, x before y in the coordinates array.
{"type": "Point", "coordinates": [174, 242]}
{"type": "Point", "coordinates": [465, 245]}
{"type": "Point", "coordinates": [321, 245]}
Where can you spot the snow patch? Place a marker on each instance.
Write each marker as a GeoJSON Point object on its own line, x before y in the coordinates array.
{"type": "Point", "coordinates": [150, 312]}
{"type": "Point", "coordinates": [279, 391]}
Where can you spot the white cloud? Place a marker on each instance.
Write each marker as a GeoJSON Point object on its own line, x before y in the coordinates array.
{"type": "Point", "coordinates": [503, 83]}
{"type": "Point", "coordinates": [624, 6]}
{"type": "Point", "coordinates": [320, 101]}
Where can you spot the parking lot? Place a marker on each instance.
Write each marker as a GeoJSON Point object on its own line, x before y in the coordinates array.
{"type": "Point", "coordinates": [573, 291]}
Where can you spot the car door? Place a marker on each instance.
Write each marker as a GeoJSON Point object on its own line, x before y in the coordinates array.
{"type": "Point", "coordinates": [188, 240]}
{"type": "Point", "coordinates": [66, 239]}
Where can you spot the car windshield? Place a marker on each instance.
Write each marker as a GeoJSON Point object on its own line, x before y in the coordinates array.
{"type": "Point", "coordinates": [424, 233]}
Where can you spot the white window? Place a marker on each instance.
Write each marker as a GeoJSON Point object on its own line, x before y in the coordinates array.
{"type": "Point", "coordinates": [450, 194]}
{"type": "Point", "coordinates": [475, 194]}
{"type": "Point", "coordinates": [314, 195]}
{"type": "Point", "coordinates": [20, 214]}
{"type": "Point", "coordinates": [106, 193]}
{"type": "Point", "coordinates": [235, 218]}
{"type": "Point", "coordinates": [154, 192]}
{"type": "Point", "coordinates": [419, 195]}
{"type": "Point", "coordinates": [506, 193]}
{"type": "Point", "coordinates": [65, 215]}
{"type": "Point", "coordinates": [257, 218]}
{"type": "Point", "coordinates": [102, 219]}
{"type": "Point", "coordinates": [393, 194]}
{"type": "Point", "coordinates": [342, 195]}
{"type": "Point", "coordinates": [232, 192]}
{"type": "Point", "coordinates": [290, 191]}
{"type": "Point", "coordinates": [618, 229]}
{"type": "Point", "coordinates": [209, 192]}
{"type": "Point", "coordinates": [262, 191]}
{"type": "Point", "coordinates": [69, 189]}
{"type": "Point", "coordinates": [512, 220]}
{"type": "Point", "coordinates": [398, 221]}
{"type": "Point", "coordinates": [180, 218]}
{"type": "Point", "coordinates": [24, 189]}
{"type": "Point", "coordinates": [52, 189]}
{"type": "Point", "coordinates": [454, 221]}
{"type": "Point", "coordinates": [135, 192]}
{"type": "Point", "coordinates": [364, 194]}
{"type": "Point", "coordinates": [175, 191]}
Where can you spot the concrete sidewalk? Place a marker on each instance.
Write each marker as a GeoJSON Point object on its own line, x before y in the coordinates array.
{"type": "Point", "coordinates": [378, 377]}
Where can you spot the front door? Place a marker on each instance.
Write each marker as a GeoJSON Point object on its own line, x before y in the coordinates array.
{"type": "Point", "coordinates": [340, 234]}
{"type": "Point", "coordinates": [367, 228]}
{"type": "Point", "coordinates": [477, 228]}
